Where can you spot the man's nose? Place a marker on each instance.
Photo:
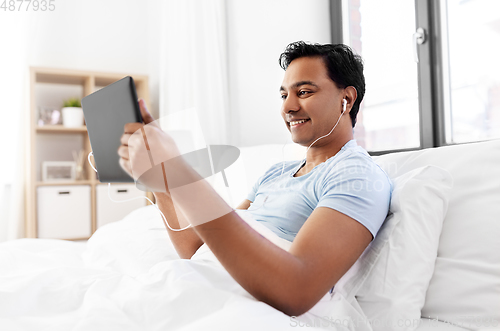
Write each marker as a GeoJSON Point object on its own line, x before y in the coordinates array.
{"type": "Point", "coordinates": [291, 104]}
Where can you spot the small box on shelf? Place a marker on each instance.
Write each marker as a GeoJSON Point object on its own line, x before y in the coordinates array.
{"type": "Point", "coordinates": [57, 171]}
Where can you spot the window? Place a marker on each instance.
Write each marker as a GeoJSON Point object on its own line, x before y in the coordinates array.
{"type": "Point", "coordinates": [389, 116]}
{"type": "Point", "coordinates": [445, 90]}
{"type": "Point", "coordinates": [471, 35]}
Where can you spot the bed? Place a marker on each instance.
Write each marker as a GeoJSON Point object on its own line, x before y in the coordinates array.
{"type": "Point", "coordinates": [129, 277]}
{"type": "Point", "coordinates": [432, 265]}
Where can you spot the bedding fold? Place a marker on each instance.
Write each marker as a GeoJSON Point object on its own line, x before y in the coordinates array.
{"type": "Point", "coordinates": [129, 277]}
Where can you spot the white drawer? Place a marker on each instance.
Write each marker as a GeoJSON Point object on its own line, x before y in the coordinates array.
{"type": "Point", "coordinates": [109, 211]}
{"type": "Point", "coordinates": [64, 212]}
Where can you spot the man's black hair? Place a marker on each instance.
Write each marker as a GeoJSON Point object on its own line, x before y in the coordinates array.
{"type": "Point", "coordinates": [345, 68]}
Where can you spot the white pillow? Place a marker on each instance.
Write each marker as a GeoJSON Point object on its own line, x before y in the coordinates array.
{"type": "Point", "coordinates": [465, 287]}
{"type": "Point", "coordinates": [395, 269]}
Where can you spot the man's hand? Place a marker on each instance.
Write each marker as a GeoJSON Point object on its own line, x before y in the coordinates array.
{"type": "Point", "coordinates": [144, 146]}
{"type": "Point", "coordinates": [137, 140]}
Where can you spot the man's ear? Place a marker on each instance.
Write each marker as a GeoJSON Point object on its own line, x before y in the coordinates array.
{"type": "Point", "coordinates": [350, 94]}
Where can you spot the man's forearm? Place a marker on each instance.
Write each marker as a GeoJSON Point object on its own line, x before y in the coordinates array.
{"type": "Point", "coordinates": [266, 271]}
{"type": "Point", "coordinates": [186, 242]}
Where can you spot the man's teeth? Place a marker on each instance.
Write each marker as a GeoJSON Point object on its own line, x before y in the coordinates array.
{"type": "Point", "coordinates": [297, 122]}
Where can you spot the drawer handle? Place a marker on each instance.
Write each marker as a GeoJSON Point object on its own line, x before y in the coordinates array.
{"type": "Point", "coordinates": [122, 191]}
{"type": "Point", "coordinates": [64, 192]}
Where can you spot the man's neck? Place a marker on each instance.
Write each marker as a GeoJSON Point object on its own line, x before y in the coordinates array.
{"type": "Point", "coordinates": [320, 154]}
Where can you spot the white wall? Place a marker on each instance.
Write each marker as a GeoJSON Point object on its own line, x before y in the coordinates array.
{"type": "Point", "coordinates": [110, 36]}
{"type": "Point", "coordinates": [124, 36]}
{"type": "Point", "coordinates": [258, 32]}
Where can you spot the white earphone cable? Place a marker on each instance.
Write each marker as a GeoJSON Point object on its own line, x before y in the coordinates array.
{"type": "Point", "coordinates": [154, 204]}
{"type": "Point", "coordinates": [344, 104]}
{"type": "Point", "coordinates": [326, 135]}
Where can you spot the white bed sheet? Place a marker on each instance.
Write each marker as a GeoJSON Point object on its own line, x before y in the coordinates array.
{"type": "Point", "coordinates": [129, 277]}
{"type": "Point", "coordinates": [436, 325]}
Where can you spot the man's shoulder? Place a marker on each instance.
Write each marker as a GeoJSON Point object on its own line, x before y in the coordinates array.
{"type": "Point", "coordinates": [348, 158]}
{"type": "Point", "coordinates": [356, 162]}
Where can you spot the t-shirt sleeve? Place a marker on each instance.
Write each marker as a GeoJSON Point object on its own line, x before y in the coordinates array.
{"type": "Point", "coordinates": [360, 189]}
{"type": "Point", "coordinates": [253, 190]}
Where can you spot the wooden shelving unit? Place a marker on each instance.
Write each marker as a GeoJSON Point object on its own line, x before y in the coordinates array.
{"type": "Point", "coordinates": [60, 128]}
{"type": "Point", "coordinates": [89, 83]}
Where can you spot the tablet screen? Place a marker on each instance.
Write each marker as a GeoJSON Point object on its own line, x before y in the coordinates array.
{"type": "Point", "coordinates": [106, 112]}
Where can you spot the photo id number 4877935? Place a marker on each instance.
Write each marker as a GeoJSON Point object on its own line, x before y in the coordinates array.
{"type": "Point", "coordinates": [28, 5]}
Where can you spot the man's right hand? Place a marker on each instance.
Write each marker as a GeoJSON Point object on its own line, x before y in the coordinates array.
{"type": "Point", "coordinates": [142, 143]}
{"type": "Point", "coordinates": [186, 242]}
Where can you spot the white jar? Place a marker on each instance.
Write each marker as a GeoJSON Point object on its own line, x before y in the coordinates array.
{"type": "Point", "coordinates": [72, 117]}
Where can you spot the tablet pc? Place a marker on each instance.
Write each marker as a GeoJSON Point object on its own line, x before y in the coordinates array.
{"type": "Point", "coordinates": [106, 112]}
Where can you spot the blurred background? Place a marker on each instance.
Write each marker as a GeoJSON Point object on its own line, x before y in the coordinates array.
{"type": "Point", "coordinates": [427, 87]}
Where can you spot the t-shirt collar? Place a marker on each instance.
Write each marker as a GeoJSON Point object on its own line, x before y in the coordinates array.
{"type": "Point", "coordinates": [350, 144]}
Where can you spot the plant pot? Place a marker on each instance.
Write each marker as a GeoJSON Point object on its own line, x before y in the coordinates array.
{"type": "Point", "coordinates": [72, 117]}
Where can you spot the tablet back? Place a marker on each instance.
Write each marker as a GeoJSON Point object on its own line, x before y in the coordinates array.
{"type": "Point", "coordinates": [106, 112]}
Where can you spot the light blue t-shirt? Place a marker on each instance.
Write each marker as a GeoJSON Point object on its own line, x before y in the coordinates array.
{"type": "Point", "coordinates": [349, 182]}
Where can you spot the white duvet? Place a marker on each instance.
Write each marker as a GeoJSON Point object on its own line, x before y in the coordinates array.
{"type": "Point", "coordinates": [129, 277]}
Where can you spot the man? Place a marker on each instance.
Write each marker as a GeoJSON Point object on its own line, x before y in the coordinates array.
{"type": "Point", "coordinates": [331, 205]}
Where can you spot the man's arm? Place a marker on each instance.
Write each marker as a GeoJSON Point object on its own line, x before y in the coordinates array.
{"type": "Point", "coordinates": [186, 242]}
{"type": "Point", "coordinates": [326, 247]}
{"type": "Point", "coordinates": [244, 205]}
{"type": "Point", "coordinates": [292, 281]}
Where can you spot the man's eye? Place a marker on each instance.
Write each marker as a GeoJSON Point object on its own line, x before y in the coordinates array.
{"type": "Point", "coordinates": [283, 97]}
{"type": "Point", "coordinates": [303, 92]}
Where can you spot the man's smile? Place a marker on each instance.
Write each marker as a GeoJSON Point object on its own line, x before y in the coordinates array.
{"type": "Point", "coordinates": [298, 123]}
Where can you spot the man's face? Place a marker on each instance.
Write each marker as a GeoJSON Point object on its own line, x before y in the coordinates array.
{"type": "Point", "coordinates": [309, 94]}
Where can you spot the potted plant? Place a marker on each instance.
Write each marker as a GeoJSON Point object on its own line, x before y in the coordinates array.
{"type": "Point", "coordinates": [72, 113]}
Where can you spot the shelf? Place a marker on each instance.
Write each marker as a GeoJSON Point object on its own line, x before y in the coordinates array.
{"type": "Point", "coordinates": [60, 78]}
{"type": "Point", "coordinates": [60, 128]}
{"type": "Point", "coordinates": [123, 183]}
{"type": "Point", "coordinates": [54, 142]}
{"type": "Point", "coordinates": [73, 182]}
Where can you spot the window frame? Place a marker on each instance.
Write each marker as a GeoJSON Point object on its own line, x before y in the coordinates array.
{"type": "Point", "coordinates": [431, 79]}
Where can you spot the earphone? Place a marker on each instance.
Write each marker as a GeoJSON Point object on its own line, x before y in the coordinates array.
{"type": "Point", "coordinates": [344, 106]}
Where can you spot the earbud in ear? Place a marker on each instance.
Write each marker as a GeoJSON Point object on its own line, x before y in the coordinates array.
{"type": "Point", "coordinates": [344, 105]}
